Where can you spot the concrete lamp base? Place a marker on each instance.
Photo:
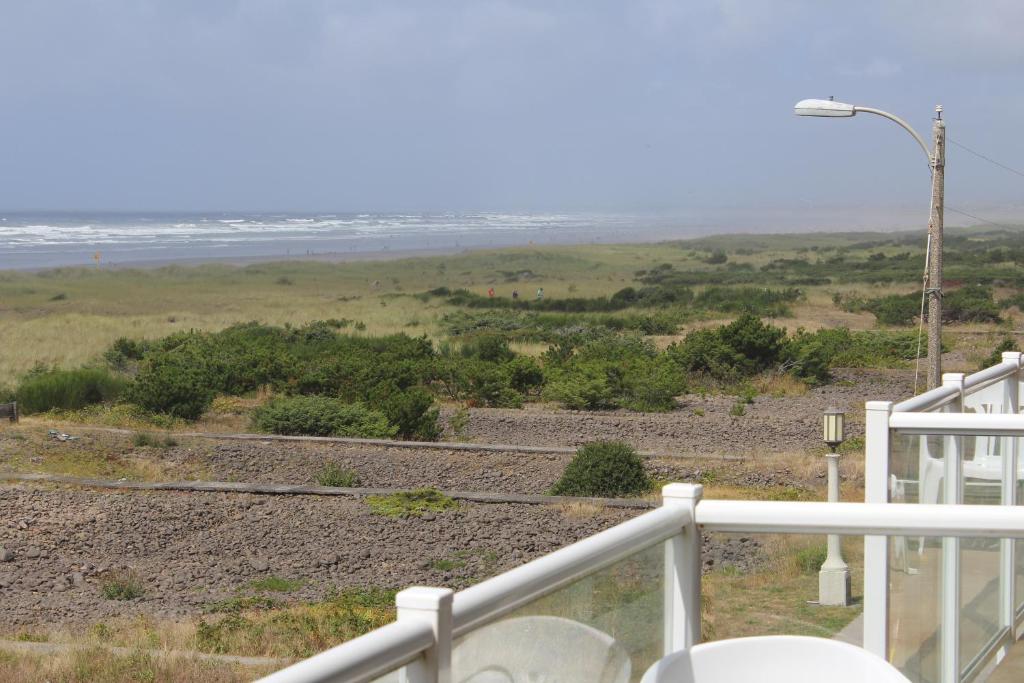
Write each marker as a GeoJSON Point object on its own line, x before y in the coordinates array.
{"type": "Point", "coordinates": [834, 587]}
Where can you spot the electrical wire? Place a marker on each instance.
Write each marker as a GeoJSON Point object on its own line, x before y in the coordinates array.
{"type": "Point", "coordinates": [988, 159]}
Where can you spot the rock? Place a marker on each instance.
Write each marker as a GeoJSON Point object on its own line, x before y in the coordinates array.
{"type": "Point", "coordinates": [6, 555]}
{"type": "Point", "coordinates": [259, 564]}
{"type": "Point", "coordinates": [77, 578]}
{"type": "Point", "coordinates": [32, 553]}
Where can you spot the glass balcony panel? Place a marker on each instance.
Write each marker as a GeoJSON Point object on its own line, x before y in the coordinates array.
{"type": "Point", "coordinates": [604, 627]}
{"type": "Point", "coordinates": [915, 563]}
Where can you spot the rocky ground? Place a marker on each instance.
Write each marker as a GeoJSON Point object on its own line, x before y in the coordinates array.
{"type": "Point", "coordinates": [58, 546]}
{"type": "Point", "coordinates": [701, 425]}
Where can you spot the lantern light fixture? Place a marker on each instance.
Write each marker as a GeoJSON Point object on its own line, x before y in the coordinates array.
{"type": "Point", "coordinates": [833, 423]}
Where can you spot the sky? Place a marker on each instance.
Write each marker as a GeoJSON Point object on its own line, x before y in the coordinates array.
{"type": "Point", "coordinates": [503, 105]}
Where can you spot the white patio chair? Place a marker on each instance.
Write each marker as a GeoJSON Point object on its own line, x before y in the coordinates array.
{"type": "Point", "coordinates": [539, 649]}
{"type": "Point", "coordinates": [771, 659]}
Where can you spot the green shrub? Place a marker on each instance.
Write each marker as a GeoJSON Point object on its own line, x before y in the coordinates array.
{"type": "Point", "coordinates": [842, 348]}
{"type": "Point", "coordinates": [414, 503]}
{"type": "Point", "coordinates": [411, 413]}
{"type": "Point", "coordinates": [67, 389]}
{"type": "Point", "coordinates": [606, 469]}
{"type": "Point", "coordinates": [611, 371]}
{"type": "Point", "coordinates": [970, 304]}
{"type": "Point", "coordinates": [996, 357]}
{"type": "Point", "coordinates": [333, 474]}
{"type": "Point", "coordinates": [122, 586]}
{"type": "Point", "coordinates": [321, 416]}
{"type": "Point", "coordinates": [731, 352]}
{"type": "Point", "coordinates": [584, 388]}
{"type": "Point", "coordinates": [175, 383]}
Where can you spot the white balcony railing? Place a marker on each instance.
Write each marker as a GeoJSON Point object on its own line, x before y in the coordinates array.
{"type": "Point", "coordinates": [957, 444]}
{"type": "Point", "coordinates": [918, 570]}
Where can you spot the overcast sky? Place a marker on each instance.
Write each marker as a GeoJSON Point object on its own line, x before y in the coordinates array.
{"type": "Point", "coordinates": [499, 104]}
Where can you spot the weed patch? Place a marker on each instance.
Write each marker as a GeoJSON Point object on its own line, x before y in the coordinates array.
{"type": "Point", "coordinates": [415, 503]}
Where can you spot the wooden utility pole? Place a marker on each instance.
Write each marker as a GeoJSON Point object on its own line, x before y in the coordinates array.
{"type": "Point", "coordinates": [935, 251]}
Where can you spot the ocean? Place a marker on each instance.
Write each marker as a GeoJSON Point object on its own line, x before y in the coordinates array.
{"type": "Point", "coordinates": [33, 240]}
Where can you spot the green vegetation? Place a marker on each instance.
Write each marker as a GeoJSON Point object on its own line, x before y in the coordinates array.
{"type": "Point", "coordinates": [608, 469]}
{"type": "Point", "coordinates": [969, 304]}
{"type": "Point", "coordinates": [122, 586]}
{"type": "Point", "coordinates": [414, 503]}
{"type": "Point", "coordinates": [45, 389]}
{"type": "Point", "coordinates": [146, 440]}
{"type": "Point", "coordinates": [810, 559]}
{"type": "Point", "coordinates": [301, 630]}
{"type": "Point", "coordinates": [334, 474]}
{"type": "Point", "coordinates": [321, 416]}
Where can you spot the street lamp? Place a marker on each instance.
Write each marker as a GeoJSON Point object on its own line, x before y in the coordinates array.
{"type": "Point", "coordinates": [933, 259]}
{"type": "Point", "coordinates": [834, 577]}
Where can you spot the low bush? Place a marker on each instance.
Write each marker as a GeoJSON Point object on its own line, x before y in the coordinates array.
{"type": "Point", "coordinates": [67, 389]}
{"type": "Point", "coordinates": [612, 371]}
{"type": "Point", "coordinates": [333, 474]}
{"type": "Point", "coordinates": [731, 352]}
{"type": "Point", "coordinates": [174, 383]}
{"type": "Point", "coordinates": [321, 416]}
{"type": "Point", "coordinates": [608, 469]}
{"type": "Point", "coordinates": [970, 304]}
{"type": "Point", "coordinates": [122, 586]}
{"type": "Point", "coordinates": [411, 503]}
{"type": "Point", "coordinates": [996, 357]}
{"type": "Point", "coordinates": [411, 413]}
{"type": "Point", "coordinates": [147, 440]}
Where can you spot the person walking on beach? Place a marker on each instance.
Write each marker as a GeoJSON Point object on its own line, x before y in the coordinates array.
{"type": "Point", "coordinates": [540, 293]}
{"type": "Point", "coordinates": [515, 294]}
{"type": "Point", "coordinates": [490, 293]}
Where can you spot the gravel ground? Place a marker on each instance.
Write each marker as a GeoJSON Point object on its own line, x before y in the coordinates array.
{"type": "Point", "coordinates": [56, 545]}
{"type": "Point", "coordinates": [769, 425]}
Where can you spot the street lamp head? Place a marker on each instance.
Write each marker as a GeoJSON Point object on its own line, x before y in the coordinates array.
{"type": "Point", "coordinates": [823, 108]}
{"type": "Point", "coordinates": [833, 423]}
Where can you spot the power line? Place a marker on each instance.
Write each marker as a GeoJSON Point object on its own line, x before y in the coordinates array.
{"type": "Point", "coordinates": [982, 156]}
{"type": "Point", "coordinates": [978, 218]}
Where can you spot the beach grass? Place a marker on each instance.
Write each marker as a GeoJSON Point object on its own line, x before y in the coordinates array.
{"type": "Point", "coordinates": [68, 316]}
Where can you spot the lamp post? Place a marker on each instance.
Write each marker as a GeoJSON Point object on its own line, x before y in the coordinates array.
{"type": "Point", "coordinates": [834, 577]}
{"type": "Point", "coordinates": [937, 165]}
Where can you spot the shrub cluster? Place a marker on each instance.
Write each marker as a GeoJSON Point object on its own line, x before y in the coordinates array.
{"type": "Point", "coordinates": [760, 300]}
{"type": "Point", "coordinates": [973, 303]}
{"type": "Point", "coordinates": [321, 416]}
{"type": "Point", "coordinates": [608, 469]}
{"type": "Point", "coordinates": [389, 376]}
{"type": "Point", "coordinates": [611, 371]}
{"type": "Point", "coordinates": [45, 389]}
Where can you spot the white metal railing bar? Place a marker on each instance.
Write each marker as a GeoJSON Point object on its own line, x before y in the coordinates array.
{"type": "Point", "coordinates": [362, 659]}
{"type": "Point", "coordinates": [965, 424]}
{"type": "Point", "coordinates": [990, 375]}
{"type": "Point", "coordinates": [929, 400]}
{"type": "Point", "coordinates": [855, 519]}
{"type": "Point", "coordinates": [492, 599]}
{"type": "Point", "coordinates": [940, 396]}
{"type": "Point", "coordinates": [415, 636]}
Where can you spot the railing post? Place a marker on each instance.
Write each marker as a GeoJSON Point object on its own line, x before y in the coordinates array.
{"type": "Point", "coordinates": [433, 606]}
{"type": "Point", "coordinates": [682, 572]}
{"type": "Point", "coordinates": [876, 548]}
{"type": "Point", "coordinates": [1011, 457]}
{"type": "Point", "coordinates": [953, 494]}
